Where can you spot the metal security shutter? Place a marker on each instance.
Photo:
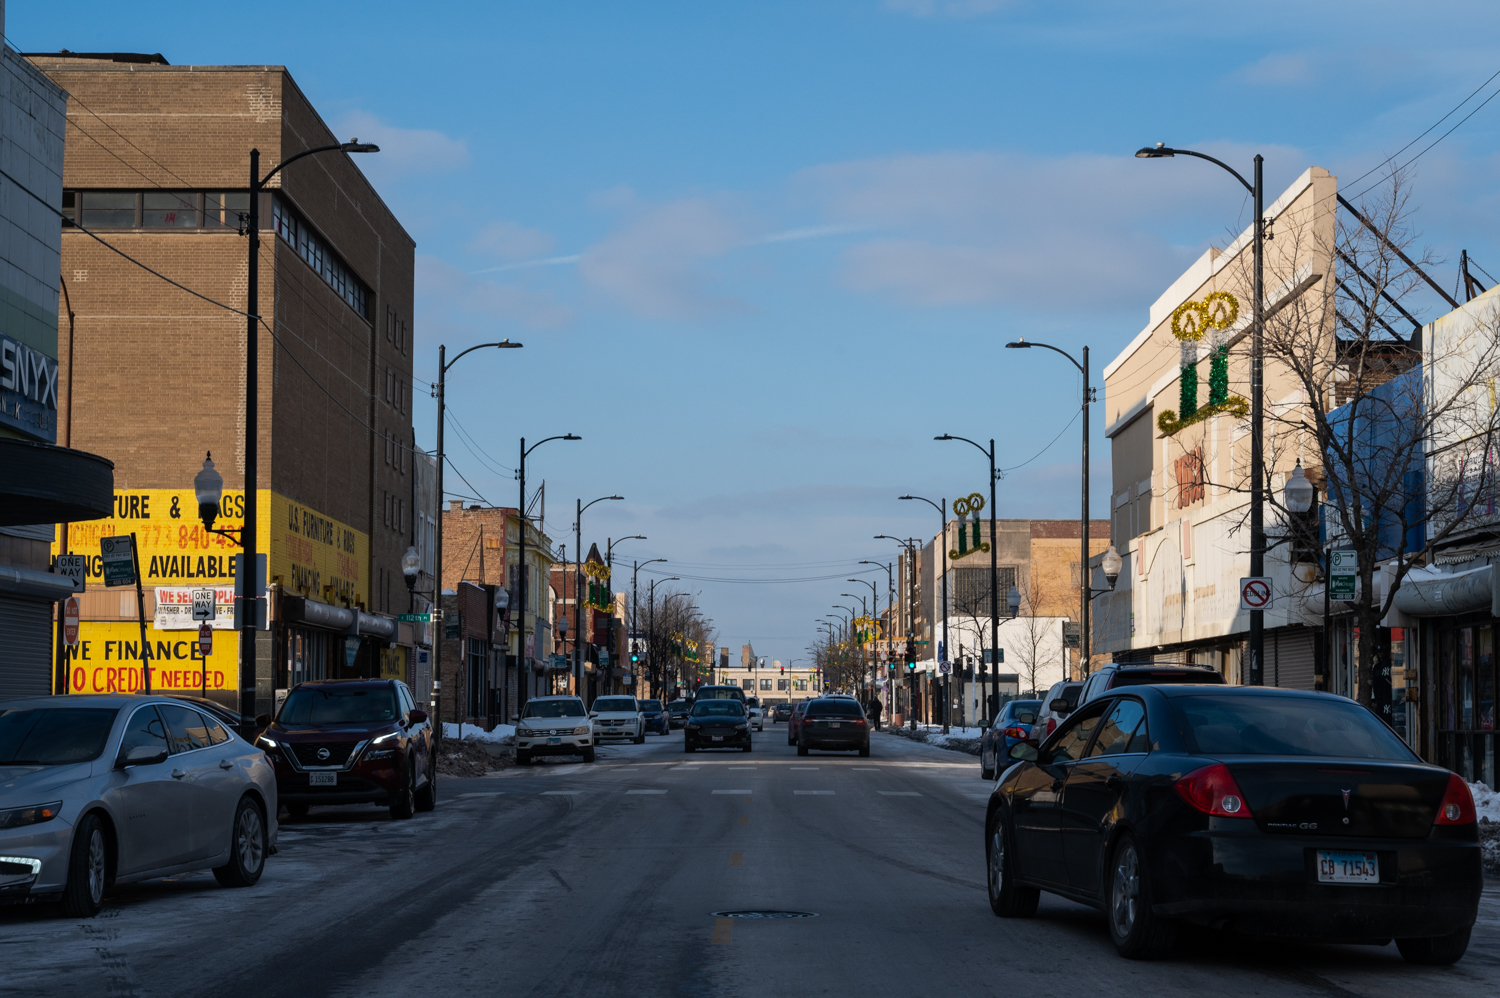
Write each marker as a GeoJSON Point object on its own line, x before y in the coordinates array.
{"type": "Point", "coordinates": [1294, 659]}
{"type": "Point", "coordinates": [25, 647]}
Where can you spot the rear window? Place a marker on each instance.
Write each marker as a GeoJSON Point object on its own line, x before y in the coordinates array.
{"type": "Point", "coordinates": [835, 708]}
{"type": "Point", "coordinates": [615, 704]}
{"type": "Point", "coordinates": [651, 705]}
{"type": "Point", "coordinates": [315, 705]}
{"type": "Point", "coordinates": [53, 736]}
{"type": "Point", "coordinates": [1282, 725]}
{"type": "Point", "coordinates": [1139, 677]}
{"type": "Point", "coordinates": [554, 708]}
{"type": "Point", "coordinates": [716, 708]}
{"type": "Point", "coordinates": [721, 693]}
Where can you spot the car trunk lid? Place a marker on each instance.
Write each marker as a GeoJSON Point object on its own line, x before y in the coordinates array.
{"type": "Point", "coordinates": [1340, 797]}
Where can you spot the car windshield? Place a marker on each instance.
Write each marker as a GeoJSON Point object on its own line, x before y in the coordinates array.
{"type": "Point", "coordinates": [1284, 725]}
{"type": "Point", "coordinates": [1140, 677]}
{"type": "Point", "coordinates": [651, 706]}
{"type": "Point", "coordinates": [678, 705]}
{"type": "Point", "coordinates": [554, 708]}
{"type": "Point", "coordinates": [315, 705]}
{"type": "Point", "coordinates": [720, 693]}
{"type": "Point", "coordinates": [615, 705]}
{"type": "Point", "coordinates": [718, 708]}
{"type": "Point", "coordinates": [835, 708]}
{"type": "Point", "coordinates": [53, 736]}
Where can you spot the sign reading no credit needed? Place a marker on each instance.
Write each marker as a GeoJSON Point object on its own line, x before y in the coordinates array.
{"type": "Point", "coordinates": [1255, 593]}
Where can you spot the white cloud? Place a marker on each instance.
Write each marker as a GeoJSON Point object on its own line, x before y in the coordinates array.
{"type": "Point", "coordinates": [510, 241]}
{"type": "Point", "coordinates": [657, 265]}
{"type": "Point", "coordinates": [403, 151]}
{"type": "Point", "coordinates": [948, 8]}
{"type": "Point", "coordinates": [1280, 69]}
{"type": "Point", "coordinates": [447, 292]}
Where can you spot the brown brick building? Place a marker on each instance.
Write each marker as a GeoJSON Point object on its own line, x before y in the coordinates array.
{"type": "Point", "coordinates": [157, 164]}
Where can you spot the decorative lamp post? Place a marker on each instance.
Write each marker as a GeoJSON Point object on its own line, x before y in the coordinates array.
{"type": "Point", "coordinates": [1111, 563]}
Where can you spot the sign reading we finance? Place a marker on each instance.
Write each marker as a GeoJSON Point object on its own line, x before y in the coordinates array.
{"type": "Point", "coordinates": [107, 659]}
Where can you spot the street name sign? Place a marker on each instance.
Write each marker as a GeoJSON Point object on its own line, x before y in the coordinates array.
{"type": "Point", "coordinates": [203, 604]}
{"type": "Point", "coordinates": [119, 560]}
{"type": "Point", "coordinates": [71, 567]}
{"type": "Point", "coordinates": [1255, 592]}
{"type": "Point", "coordinates": [1343, 574]}
{"type": "Point", "coordinates": [414, 618]}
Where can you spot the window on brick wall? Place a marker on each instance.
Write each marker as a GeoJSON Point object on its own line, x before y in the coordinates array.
{"type": "Point", "coordinates": [390, 324]}
{"type": "Point", "coordinates": [169, 209]}
{"type": "Point", "coordinates": [320, 257]}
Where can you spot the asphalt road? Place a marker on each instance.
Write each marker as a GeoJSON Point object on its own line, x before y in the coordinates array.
{"type": "Point", "coordinates": [603, 880]}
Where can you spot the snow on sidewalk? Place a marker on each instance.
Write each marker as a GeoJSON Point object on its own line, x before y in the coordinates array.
{"type": "Point", "coordinates": [504, 734]}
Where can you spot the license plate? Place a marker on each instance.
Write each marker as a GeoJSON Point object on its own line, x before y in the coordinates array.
{"type": "Point", "coordinates": [1348, 868]}
{"type": "Point", "coordinates": [323, 779]}
{"type": "Point", "coordinates": [554, 741]}
{"type": "Point", "coordinates": [834, 724]}
{"type": "Point", "coordinates": [717, 738]}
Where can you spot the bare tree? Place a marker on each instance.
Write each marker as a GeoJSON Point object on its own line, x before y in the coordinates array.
{"type": "Point", "coordinates": [1034, 651]}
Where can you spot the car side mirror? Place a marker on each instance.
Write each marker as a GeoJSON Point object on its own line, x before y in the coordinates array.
{"type": "Point", "coordinates": [1026, 717]}
{"type": "Point", "coordinates": [417, 716]}
{"type": "Point", "coordinates": [262, 720]}
{"type": "Point", "coordinates": [1060, 706]}
{"type": "Point", "coordinates": [1023, 752]}
{"type": "Point", "coordinates": [142, 755]}
{"type": "Point", "coordinates": [593, 713]}
{"type": "Point", "coordinates": [983, 723]}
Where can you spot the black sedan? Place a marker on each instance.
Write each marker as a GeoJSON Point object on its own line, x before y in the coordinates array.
{"type": "Point", "coordinates": [834, 723]}
{"type": "Point", "coordinates": [717, 724]}
{"type": "Point", "coordinates": [1261, 810]}
{"type": "Point", "coordinates": [677, 712]}
{"type": "Point", "coordinates": [656, 716]}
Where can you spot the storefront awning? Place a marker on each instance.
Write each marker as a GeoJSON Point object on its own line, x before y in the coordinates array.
{"type": "Point", "coordinates": [1425, 593]}
{"type": "Point", "coordinates": [47, 484]}
{"type": "Point", "coordinates": [345, 620]}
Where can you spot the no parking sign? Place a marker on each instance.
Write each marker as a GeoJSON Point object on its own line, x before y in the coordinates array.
{"type": "Point", "coordinates": [1255, 593]}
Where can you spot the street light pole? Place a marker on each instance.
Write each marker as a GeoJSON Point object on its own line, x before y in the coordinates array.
{"type": "Point", "coordinates": [1257, 388]}
{"type": "Point", "coordinates": [994, 695]}
{"type": "Point", "coordinates": [521, 601]}
{"type": "Point", "coordinates": [609, 562]}
{"type": "Point", "coordinates": [910, 544]}
{"type": "Point", "coordinates": [578, 591]}
{"type": "Point", "coordinates": [942, 508]}
{"type": "Point", "coordinates": [890, 603]}
{"type": "Point", "coordinates": [635, 603]}
{"type": "Point", "coordinates": [1085, 577]}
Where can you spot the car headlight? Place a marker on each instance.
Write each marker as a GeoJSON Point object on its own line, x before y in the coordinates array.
{"type": "Point", "coordinates": [693, 727]}
{"type": "Point", "coordinates": [582, 729]}
{"type": "Point", "coordinates": [268, 744]}
{"type": "Point", "coordinates": [18, 817]}
{"type": "Point", "coordinates": [384, 753]}
{"type": "Point", "coordinates": [739, 727]}
{"type": "Point", "coordinates": [385, 738]}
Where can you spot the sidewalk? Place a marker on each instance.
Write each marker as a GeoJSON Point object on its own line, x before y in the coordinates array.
{"type": "Point", "coordinates": [958, 739]}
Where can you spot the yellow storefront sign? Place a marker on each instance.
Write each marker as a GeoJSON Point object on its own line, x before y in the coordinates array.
{"type": "Point", "coordinates": [107, 659]}
{"type": "Point", "coordinates": [308, 553]}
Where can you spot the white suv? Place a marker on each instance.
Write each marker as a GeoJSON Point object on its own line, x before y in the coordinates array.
{"type": "Point", "coordinates": [554, 726]}
{"type": "Point", "coordinates": [618, 717]}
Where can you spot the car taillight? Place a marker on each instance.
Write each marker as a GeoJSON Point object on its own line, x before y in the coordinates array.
{"type": "Point", "coordinates": [1015, 733]}
{"type": "Point", "coordinates": [1212, 790]}
{"type": "Point", "coordinates": [1051, 725]}
{"type": "Point", "coordinates": [1457, 807]}
{"type": "Point", "coordinates": [859, 723]}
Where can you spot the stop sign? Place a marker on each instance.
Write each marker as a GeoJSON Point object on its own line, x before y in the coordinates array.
{"type": "Point", "coordinates": [70, 621]}
{"type": "Point", "coordinates": [205, 640]}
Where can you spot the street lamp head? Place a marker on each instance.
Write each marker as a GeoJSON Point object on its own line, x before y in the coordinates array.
{"type": "Point", "coordinates": [1020, 344]}
{"type": "Point", "coordinates": [945, 436]}
{"type": "Point", "coordinates": [1014, 600]}
{"type": "Point", "coordinates": [571, 436]}
{"type": "Point", "coordinates": [1299, 491]}
{"type": "Point", "coordinates": [411, 564]}
{"type": "Point", "coordinates": [354, 145]}
{"type": "Point", "coordinates": [1159, 151]}
{"type": "Point", "coordinates": [506, 344]}
{"type": "Point", "coordinates": [1111, 563]}
{"type": "Point", "coordinates": [208, 485]}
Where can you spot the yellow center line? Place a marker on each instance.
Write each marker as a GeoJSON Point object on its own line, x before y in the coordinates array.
{"type": "Point", "coordinates": [736, 859]}
{"type": "Point", "coordinates": [723, 927]}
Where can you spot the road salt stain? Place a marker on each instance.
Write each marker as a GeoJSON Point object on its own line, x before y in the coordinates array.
{"type": "Point", "coordinates": [736, 859]}
{"type": "Point", "coordinates": [723, 927]}
{"type": "Point", "coordinates": [744, 821]}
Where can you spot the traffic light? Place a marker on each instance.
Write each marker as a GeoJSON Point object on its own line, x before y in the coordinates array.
{"type": "Point", "coordinates": [783, 670]}
{"type": "Point", "coordinates": [911, 655]}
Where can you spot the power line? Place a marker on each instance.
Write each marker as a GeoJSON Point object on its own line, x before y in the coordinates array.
{"type": "Point", "coordinates": [1434, 141]}
{"type": "Point", "coordinates": [1049, 445]}
{"type": "Point", "coordinates": [1429, 129]}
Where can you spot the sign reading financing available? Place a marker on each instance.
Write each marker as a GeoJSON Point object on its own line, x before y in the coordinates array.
{"type": "Point", "coordinates": [1343, 574]}
{"type": "Point", "coordinates": [1255, 593]}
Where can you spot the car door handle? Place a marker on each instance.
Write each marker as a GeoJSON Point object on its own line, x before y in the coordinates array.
{"type": "Point", "coordinates": [178, 774]}
{"type": "Point", "coordinates": [225, 764]}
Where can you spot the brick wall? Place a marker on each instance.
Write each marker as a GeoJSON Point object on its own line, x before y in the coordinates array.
{"type": "Point", "coordinates": [474, 545]}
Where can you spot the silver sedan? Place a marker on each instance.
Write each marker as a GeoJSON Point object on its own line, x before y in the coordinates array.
{"type": "Point", "coordinates": [103, 790]}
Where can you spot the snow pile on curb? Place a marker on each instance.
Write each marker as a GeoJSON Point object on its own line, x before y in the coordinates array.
{"type": "Point", "coordinates": [504, 734]}
{"type": "Point", "coordinates": [954, 740]}
{"type": "Point", "coordinates": [1487, 806]}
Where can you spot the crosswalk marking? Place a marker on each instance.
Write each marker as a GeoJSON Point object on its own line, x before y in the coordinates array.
{"type": "Point", "coordinates": [645, 791]}
{"type": "Point", "coordinates": [560, 793]}
{"type": "Point", "coordinates": [899, 793]}
{"type": "Point", "coordinates": [814, 793]}
{"type": "Point", "coordinates": [731, 791]}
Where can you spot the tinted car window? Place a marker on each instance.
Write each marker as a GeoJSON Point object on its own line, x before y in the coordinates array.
{"type": "Point", "coordinates": [144, 728]}
{"type": "Point", "coordinates": [186, 728]}
{"type": "Point", "coordinates": [216, 733]}
{"type": "Point", "coordinates": [554, 708]}
{"type": "Point", "coordinates": [718, 708]}
{"type": "Point", "coordinates": [1073, 737]}
{"type": "Point", "coordinates": [338, 705]}
{"type": "Point", "coordinates": [53, 736]}
{"type": "Point", "coordinates": [1139, 677]}
{"type": "Point", "coordinates": [615, 704]}
{"type": "Point", "coordinates": [651, 706]}
{"type": "Point", "coordinates": [1124, 730]}
{"type": "Point", "coordinates": [835, 708]}
{"type": "Point", "coordinates": [1282, 725]}
{"type": "Point", "coordinates": [721, 693]}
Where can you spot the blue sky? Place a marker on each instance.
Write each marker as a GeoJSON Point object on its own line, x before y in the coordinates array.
{"type": "Point", "coordinates": [761, 253]}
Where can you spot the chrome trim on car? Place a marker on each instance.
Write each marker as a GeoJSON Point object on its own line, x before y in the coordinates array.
{"type": "Point", "coordinates": [291, 757]}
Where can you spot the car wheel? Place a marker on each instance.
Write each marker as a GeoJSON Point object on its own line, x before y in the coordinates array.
{"type": "Point", "coordinates": [985, 772]}
{"type": "Point", "coordinates": [640, 739]}
{"type": "Point", "coordinates": [801, 749]}
{"type": "Point", "coordinates": [588, 754]}
{"type": "Point", "coordinates": [247, 847]}
{"type": "Point", "coordinates": [88, 870]}
{"type": "Point", "coordinates": [427, 796]}
{"type": "Point", "coordinates": [297, 810]}
{"type": "Point", "coordinates": [1436, 951]}
{"type": "Point", "coordinates": [523, 757]}
{"type": "Point", "coordinates": [1137, 932]}
{"type": "Point", "coordinates": [403, 802]}
{"type": "Point", "coordinates": [688, 746]}
{"type": "Point", "coordinates": [1008, 897]}
{"type": "Point", "coordinates": [864, 751]}
{"type": "Point", "coordinates": [747, 747]}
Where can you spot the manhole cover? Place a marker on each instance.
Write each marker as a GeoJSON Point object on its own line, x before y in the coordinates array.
{"type": "Point", "coordinates": [765, 914]}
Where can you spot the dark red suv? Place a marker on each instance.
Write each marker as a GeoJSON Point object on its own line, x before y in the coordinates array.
{"type": "Point", "coordinates": [352, 741]}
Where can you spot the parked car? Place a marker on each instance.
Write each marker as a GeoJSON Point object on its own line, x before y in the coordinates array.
{"type": "Point", "coordinates": [781, 713]}
{"type": "Point", "coordinates": [352, 741]}
{"type": "Point", "coordinates": [1012, 724]}
{"type": "Point", "coordinates": [1118, 674]}
{"type": "Point", "coordinates": [231, 719]}
{"type": "Point", "coordinates": [555, 725]}
{"type": "Point", "coordinates": [1274, 812]}
{"type": "Point", "coordinates": [103, 790]}
{"type": "Point", "coordinates": [719, 693]}
{"type": "Point", "coordinates": [757, 719]}
{"type": "Point", "coordinates": [793, 719]}
{"type": "Point", "coordinates": [834, 723]}
{"type": "Point", "coordinates": [1057, 704]}
{"type": "Point", "coordinates": [677, 712]}
{"type": "Point", "coordinates": [717, 723]}
{"type": "Point", "coordinates": [656, 716]}
{"type": "Point", "coordinates": [617, 717]}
